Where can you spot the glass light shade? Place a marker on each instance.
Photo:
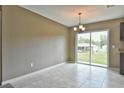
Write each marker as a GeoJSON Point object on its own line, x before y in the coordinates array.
{"type": "Point", "coordinates": [83, 28]}
{"type": "Point", "coordinates": [80, 26]}
{"type": "Point", "coordinates": [75, 28]}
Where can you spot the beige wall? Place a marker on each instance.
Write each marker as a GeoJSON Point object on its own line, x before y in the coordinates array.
{"type": "Point", "coordinates": [114, 38]}
{"type": "Point", "coordinates": [31, 38]}
{"type": "Point", "coordinates": [0, 46]}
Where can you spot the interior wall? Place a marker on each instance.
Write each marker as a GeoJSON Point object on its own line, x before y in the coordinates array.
{"type": "Point", "coordinates": [31, 38]}
{"type": "Point", "coordinates": [114, 39]}
{"type": "Point", "coordinates": [0, 46]}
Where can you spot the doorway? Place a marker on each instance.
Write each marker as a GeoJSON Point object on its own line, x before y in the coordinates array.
{"type": "Point", "coordinates": [92, 48]}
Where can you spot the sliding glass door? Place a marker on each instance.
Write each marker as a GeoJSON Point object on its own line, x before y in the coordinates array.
{"type": "Point", "coordinates": [92, 48]}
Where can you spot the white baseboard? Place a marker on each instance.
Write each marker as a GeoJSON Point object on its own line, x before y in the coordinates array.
{"type": "Point", "coordinates": [30, 74]}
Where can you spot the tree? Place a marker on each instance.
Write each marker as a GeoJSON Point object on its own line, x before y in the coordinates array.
{"type": "Point", "coordinates": [84, 40]}
{"type": "Point", "coordinates": [103, 40]}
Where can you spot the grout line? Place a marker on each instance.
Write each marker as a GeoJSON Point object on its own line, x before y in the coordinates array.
{"type": "Point", "coordinates": [103, 82]}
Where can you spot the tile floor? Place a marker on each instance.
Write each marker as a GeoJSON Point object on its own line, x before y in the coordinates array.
{"type": "Point", "coordinates": [73, 76]}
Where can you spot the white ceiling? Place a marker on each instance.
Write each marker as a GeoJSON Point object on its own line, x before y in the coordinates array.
{"type": "Point", "coordinates": [68, 14]}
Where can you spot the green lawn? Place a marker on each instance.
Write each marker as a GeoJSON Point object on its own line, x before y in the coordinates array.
{"type": "Point", "coordinates": [98, 58]}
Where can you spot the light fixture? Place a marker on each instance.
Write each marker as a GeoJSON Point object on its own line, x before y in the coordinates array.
{"type": "Point", "coordinates": [80, 27]}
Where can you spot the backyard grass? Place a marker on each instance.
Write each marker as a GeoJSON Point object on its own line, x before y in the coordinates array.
{"type": "Point", "coordinates": [97, 58]}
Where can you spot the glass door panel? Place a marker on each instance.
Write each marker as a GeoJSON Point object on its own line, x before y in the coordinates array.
{"type": "Point", "coordinates": [99, 48]}
{"type": "Point", "coordinates": [83, 48]}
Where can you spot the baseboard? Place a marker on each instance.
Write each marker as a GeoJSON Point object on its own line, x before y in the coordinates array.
{"type": "Point", "coordinates": [33, 73]}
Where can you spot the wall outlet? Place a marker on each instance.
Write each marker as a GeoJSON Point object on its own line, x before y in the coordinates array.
{"type": "Point", "coordinates": [113, 46]}
{"type": "Point", "coordinates": [32, 65]}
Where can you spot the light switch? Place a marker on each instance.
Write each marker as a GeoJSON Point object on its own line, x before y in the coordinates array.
{"type": "Point", "coordinates": [113, 46]}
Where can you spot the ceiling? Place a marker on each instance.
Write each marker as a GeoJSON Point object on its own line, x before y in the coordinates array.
{"type": "Point", "coordinates": [68, 14]}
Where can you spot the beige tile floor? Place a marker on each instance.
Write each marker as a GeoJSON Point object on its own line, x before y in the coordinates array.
{"type": "Point", "coordinates": [73, 76]}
